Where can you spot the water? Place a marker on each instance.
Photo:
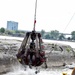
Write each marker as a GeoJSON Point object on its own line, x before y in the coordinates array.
{"type": "Point", "coordinates": [72, 44]}
{"type": "Point", "coordinates": [32, 72]}
{"type": "Point", "coordinates": [20, 71]}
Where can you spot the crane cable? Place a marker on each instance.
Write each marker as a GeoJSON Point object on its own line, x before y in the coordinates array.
{"type": "Point", "coordinates": [69, 22]}
{"type": "Point", "coordinates": [35, 15]}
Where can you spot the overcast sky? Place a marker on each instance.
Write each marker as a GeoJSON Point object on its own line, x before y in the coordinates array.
{"type": "Point", "coordinates": [51, 14]}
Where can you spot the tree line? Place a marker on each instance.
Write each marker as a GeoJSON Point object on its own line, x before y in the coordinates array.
{"type": "Point", "coordinates": [56, 35]}
{"type": "Point", "coordinates": [18, 33]}
{"type": "Point", "coordinates": [52, 35]}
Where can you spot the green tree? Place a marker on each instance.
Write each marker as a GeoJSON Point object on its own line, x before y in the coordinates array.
{"type": "Point", "coordinates": [73, 35]}
{"type": "Point", "coordinates": [54, 34]}
{"type": "Point", "coordinates": [69, 38]}
{"type": "Point", "coordinates": [42, 33]}
{"type": "Point", "coordinates": [47, 36]}
{"type": "Point", "coordinates": [19, 31]}
{"type": "Point", "coordinates": [61, 37]}
{"type": "Point", "coordinates": [9, 32]}
{"type": "Point", "coordinates": [2, 30]}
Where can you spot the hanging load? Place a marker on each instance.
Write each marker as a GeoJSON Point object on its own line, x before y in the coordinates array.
{"type": "Point", "coordinates": [30, 52]}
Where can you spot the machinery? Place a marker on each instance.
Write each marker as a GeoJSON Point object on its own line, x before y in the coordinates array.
{"type": "Point", "coordinates": [31, 52]}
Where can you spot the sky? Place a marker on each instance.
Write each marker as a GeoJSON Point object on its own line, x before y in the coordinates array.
{"type": "Point", "coordinates": [50, 15]}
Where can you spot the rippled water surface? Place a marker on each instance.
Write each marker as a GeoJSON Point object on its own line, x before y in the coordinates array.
{"type": "Point", "coordinates": [17, 70]}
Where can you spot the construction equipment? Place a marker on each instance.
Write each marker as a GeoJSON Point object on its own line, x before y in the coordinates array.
{"type": "Point", "coordinates": [31, 52]}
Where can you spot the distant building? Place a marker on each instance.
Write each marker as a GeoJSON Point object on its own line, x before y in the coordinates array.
{"type": "Point", "coordinates": [11, 25]}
